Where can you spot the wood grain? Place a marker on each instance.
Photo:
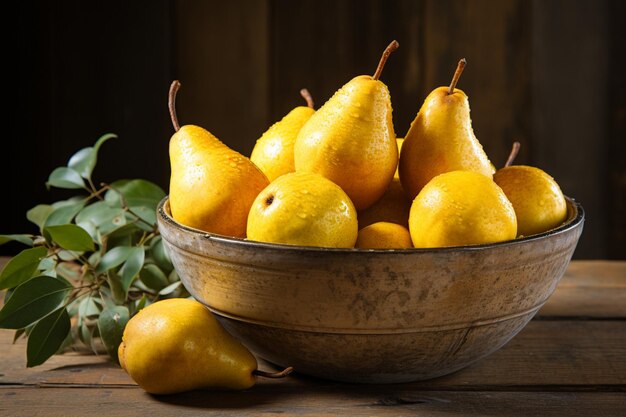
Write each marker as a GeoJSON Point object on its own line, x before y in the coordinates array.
{"type": "Point", "coordinates": [222, 61]}
{"type": "Point", "coordinates": [494, 37]}
{"type": "Point", "coordinates": [589, 289]}
{"type": "Point", "coordinates": [569, 106]}
{"type": "Point", "coordinates": [576, 354]}
{"type": "Point", "coordinates": [558, 365]}
{"type": "Point", "coordinates": [322, 45]}
{"type": "Point", "coordinates": [319, 401]}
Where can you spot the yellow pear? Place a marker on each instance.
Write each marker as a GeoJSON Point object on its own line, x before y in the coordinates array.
{"type": "Point", "coordinates": [350, 139]}
{"type": "Point", "coordinates": [536, 197]}
{"type": "Point", "coordinates": [306, 209]}
{"type": "Point", "coordinates": [273, 152]}
{"type": "Point", "coordinates": [384, 235]}
{"type": "Point", "coordinates": [461, 208]}
{"type": "Point", "coordinates": [211, 186]}
{"type": "Point", "coordinates": [441, 139]}
{"type": "Point", "coordinates": [177, 345]}
{"type": "Point", "coordinates": [393, 206]}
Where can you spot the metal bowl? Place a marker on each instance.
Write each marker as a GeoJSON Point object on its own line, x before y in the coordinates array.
{"type": "Point", "coordinates": [373, 316]}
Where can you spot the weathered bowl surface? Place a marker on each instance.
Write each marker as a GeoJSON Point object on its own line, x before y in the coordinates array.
{"type": "Point", "coordinates": [374, 316]}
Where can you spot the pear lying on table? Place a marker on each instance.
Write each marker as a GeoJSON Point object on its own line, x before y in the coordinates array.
{"type": "Point", "coordinates": [177, 345]}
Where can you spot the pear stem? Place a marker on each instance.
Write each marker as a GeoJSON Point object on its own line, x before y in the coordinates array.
{"type": "Point", "coordinates": [381, 64]}
{"type": "Point", "coordinates": [273, 375]}
{"type": "Point", "coordinates": [513, 154]}
{"type": "Point", "coordinates": [457, 75]}
{"type": "Point", "coordinates": [171, 103]}
{"type": "Point", "coordinates": [307, 96]}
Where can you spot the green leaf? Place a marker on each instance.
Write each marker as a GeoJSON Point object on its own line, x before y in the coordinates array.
{"type": "Point", "coordinates": [91, 229]}
{"type": "Point", "coordinates": [111, 324]}
{"type": "Point", "coordinates": [25, 239]}
{"type": "Point", "coordinates": [39, 214]}
{"type": "Point", "coordinates": [114, 257]}
{"type": "Point", "coordinates": [173, 276]}
{"type": "Point", "coordinates": [148, 215]}
{"type": "Point", "coordinates": [18, 333]}
{"type": "Point", "coordinates": [68, 255]}
{"type": "Point", "coordinates": [48, 266]}
{"type": "Point", "coordinates": [132, 266]}
{"type": "Point", "coordinates": [64, 177]}
{"type": "Point", "coordinates": [88, 307]}
{"type": "Point", "coordinates": [136, 193]}
{"type": "Point", "coordinates": [85, 160]}
{"type": "Point", "coordinates": [64, 213]}
{"type": "Point", "coordinates": [170, 288]}
{"type": "Point", "coordinates": [104, 217]}
{"type": "Point", "coordinates": [141, 303]}
{"type": "Point", "coordinates": [71, 237]}
{"type": "Point", "coordinates": [47, 336]}
{"type": "Point", "coordinates": [152, 276]}
{"type": "Point", "coordinates": [32, 300]}
{"type": "Point", "coordinates": [69, 270]}
{"type": "Point", "coordinates": [160, 255]}
{"type": "Point", "coordinates": [21, 267]}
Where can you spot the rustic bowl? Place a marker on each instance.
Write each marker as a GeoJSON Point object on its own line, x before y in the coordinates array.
{"type": "Point", "coordinates": [373, 316]}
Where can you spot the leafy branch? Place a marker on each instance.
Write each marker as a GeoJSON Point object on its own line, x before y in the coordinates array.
{"type": "Point", "coordinates": [97, 259]}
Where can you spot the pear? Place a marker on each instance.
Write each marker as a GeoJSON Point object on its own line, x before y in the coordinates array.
{"type": "Point", "coordinates": [350, 139]}
{"type": "Point", "coordinates": [461, 208]}
{"type": "Point", "coordinates": [393, 206]}
{"type": "Point", "coordinates": [273, 152]}
{"type": "Point", "coordinates": [441, 139]}
{"type": "Point", "coordinates": [384, 235]}
{"type": "Point", "coordinates": [177, 345]}
{"type": "Point", "coordinates": [305, 209]}
{"type": "Point", "coordinates": [211, 186]}
{"type": "Point", "coordinates": [536, 197]}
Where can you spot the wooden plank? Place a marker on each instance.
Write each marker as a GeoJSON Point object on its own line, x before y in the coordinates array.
{"type": "Point", "coordinates": [277, 399]}
{"type": "Point", "coordinates": [616, 193]}
{"type": "Point", "coordinates": [576, 354]}
{"type": "Point", "coordinates": [322, 45]}
{"type": "Point", "coordinates": [592, 289]}
{"type": "Point", "coordinates": [221, 60]}
{"type": "Point", "coordinates": [494, 37]}
{"type": "Point", "coordinates": [569, 107]}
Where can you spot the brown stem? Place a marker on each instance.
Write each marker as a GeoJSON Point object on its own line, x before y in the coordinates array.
{"type": "Point", "coordinates": [457, 75]}
{"type": "Point", "coordinates": [513, 154]}
{"type": "Point", "coordinates": [381, 64]}
{"type": "Point", "coordinates": [171, 103]}
{"type": "Point", "coordinates": [274, 375]}
{"type": "Point", "coordinates": [307, 96]}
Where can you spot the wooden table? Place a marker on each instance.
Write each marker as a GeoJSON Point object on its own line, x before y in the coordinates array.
{"type": "Point", "coordinates": [569, 361]}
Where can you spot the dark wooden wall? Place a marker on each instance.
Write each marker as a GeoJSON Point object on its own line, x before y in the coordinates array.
{"type": "Point", "coordinates": [546, 73]}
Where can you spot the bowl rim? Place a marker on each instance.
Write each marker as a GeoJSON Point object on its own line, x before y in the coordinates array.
{"type": "Point", "coordinates": [576, 217]}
